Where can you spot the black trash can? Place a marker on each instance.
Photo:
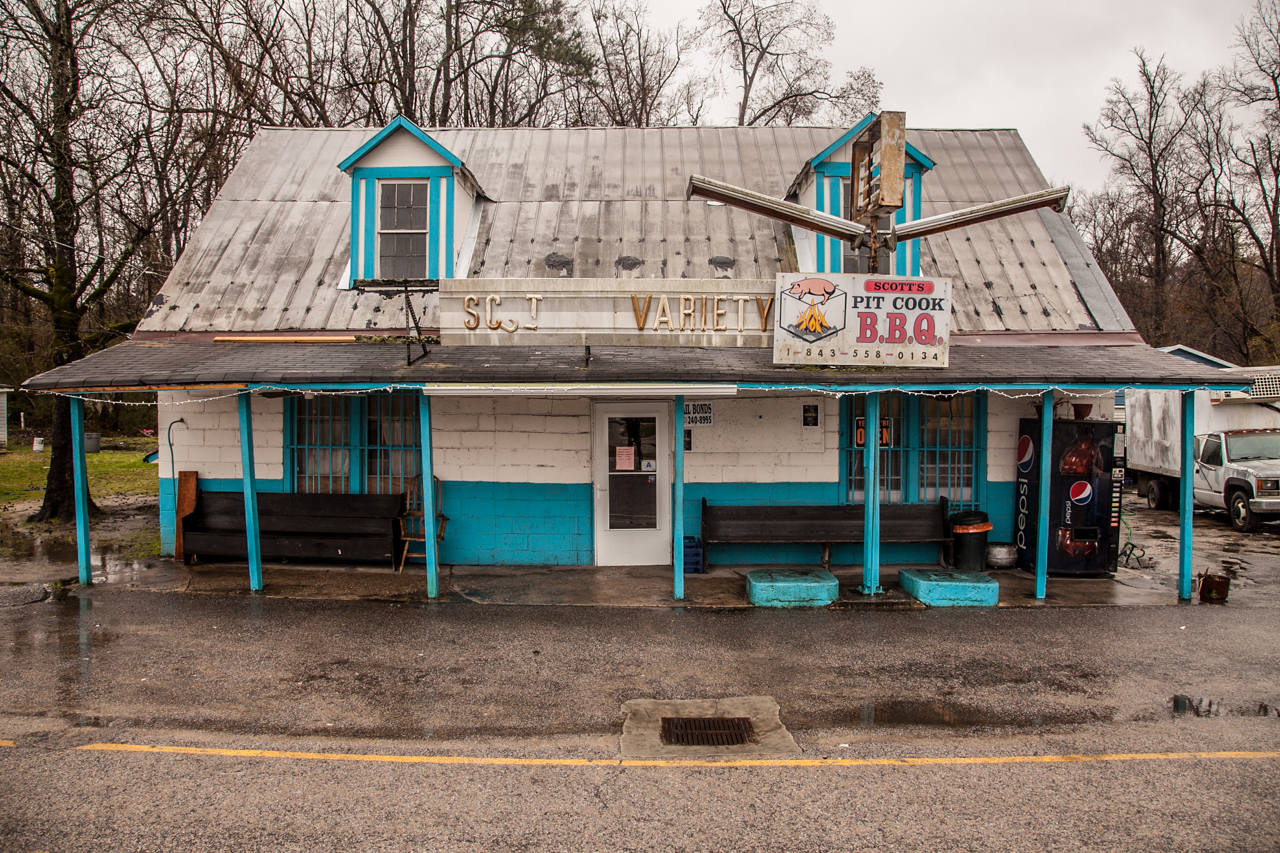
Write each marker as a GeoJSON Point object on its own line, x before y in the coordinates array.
{"type": "Point", "coordinates": [970, 530]}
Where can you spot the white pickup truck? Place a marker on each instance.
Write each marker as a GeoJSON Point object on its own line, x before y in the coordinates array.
{"type": "Point", "coordinates": [1237, 451]}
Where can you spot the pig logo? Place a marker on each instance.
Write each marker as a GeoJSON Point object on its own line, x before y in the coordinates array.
{"type": "Point", "coordinates": [812, 287]}
{"type": "Point", "coordinates": [812, 309]}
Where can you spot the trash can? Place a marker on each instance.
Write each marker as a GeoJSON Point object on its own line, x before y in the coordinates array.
{"type": "Point", "coordinates": [92, 442]}
{"type": "Point", "coordinates": [970, 530]}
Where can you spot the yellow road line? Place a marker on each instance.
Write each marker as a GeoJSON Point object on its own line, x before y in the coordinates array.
{"type": "Point", "coordinates": [7, 743]}
{"type": "Point", "coordinates": [612, 762]}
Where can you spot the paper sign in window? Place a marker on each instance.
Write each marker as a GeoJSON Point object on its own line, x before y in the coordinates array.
{"type": "Point", "coordinates": [624, 459]}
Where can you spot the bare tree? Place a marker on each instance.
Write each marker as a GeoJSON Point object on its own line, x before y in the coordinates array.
{"type": "Point", "coordinates": [775, 51]}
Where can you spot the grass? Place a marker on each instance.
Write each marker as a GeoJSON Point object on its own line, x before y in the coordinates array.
{"type": "Point", "coordinates": [111, 472]}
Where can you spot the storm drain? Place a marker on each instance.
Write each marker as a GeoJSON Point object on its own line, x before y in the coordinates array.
{"type": "Point", "coordinates": [708, 731]}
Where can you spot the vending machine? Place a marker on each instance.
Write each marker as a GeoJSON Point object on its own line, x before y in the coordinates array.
{"type": "Point", "coordinates": [1086, 472]}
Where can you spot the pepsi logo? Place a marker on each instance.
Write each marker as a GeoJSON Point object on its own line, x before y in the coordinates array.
{"type": "Point", "coordinates": [1081, 492]}
{"type": "Point", "coordinates": [1026, 453]}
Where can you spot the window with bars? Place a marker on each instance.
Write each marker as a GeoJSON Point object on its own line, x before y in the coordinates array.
{"type": "Point", "coordinates": [402, 229]}
{"type": "Point", "coordinates": [353, 445]}
{"type": "Point", "coordinates": [930, 447]}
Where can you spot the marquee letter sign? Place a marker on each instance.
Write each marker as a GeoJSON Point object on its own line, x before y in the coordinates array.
{"type": "Point", "coordinates": [880, 320]}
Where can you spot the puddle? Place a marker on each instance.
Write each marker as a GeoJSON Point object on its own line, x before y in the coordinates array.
{"type": "Point", "coordinates": [905, 712]}
{"type": "Point", "coordinates": [1198, 706]}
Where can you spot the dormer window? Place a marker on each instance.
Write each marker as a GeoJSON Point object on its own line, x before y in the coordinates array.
{"type": "Point", "coordinates": [402, 229]}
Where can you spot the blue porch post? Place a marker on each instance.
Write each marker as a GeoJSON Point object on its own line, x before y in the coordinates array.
{"type": "Point", "coordinates": [428, 498]}
{"type": "Point", "coordinates": [247, 474]}
{"type": "Point", "coordinates": [677, 505]}
{"type": "Point", "coordinates": [871, 498]}
{"type": "Point", "coordinates": [1185, 494]}
{"type": "Point", "coordinates": [1042, 505]}
{"type": "Point", "coordinates": [81, 476]}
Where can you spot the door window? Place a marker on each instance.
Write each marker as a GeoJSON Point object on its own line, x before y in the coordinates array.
{"type": "Point", "coordinates": [1212, 454]}
{"type": "Point", "coordinates": [633, 473]}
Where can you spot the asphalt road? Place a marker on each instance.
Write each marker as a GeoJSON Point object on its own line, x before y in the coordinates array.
{"type": "Point", "coordinates": [1004, 687]}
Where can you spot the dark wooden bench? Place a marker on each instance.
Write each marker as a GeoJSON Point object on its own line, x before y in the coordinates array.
{"type": "Point", "coordinates": [295, 527]}
{"type": "Point", "coordinates": [826, 525]}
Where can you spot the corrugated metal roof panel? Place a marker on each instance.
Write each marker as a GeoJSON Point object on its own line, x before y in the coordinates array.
{"type": "Point", "coordinates": [272, 252]}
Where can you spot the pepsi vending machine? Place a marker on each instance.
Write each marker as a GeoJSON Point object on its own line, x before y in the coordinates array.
{"type": "Point", "coordinates": [1086, 472]}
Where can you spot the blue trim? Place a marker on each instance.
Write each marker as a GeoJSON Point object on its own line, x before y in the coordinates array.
{"type": "Point", "coordinates": [433, 227]}
{"type": "Point", "coordinates": [245, 404]}
{"type": "Point", "coordinates": [80, 475]}
{"type": "Point", "coordinates": [1186, 497]}
{"type": "Point", "coordinates": [998, 504]}
{"type": "Point", "coordinates": [428, 497]}
{"type": "Point", "coordinates": [353, 266]}
{"type": "Point", "coordinates": [845, 137]}
{"type": "Point", "coordinates": [833, 207]}
{"type": "Point", "coordinates": [920, 157]}
{"type": "Point", "coordinates": [677, 503]}
{"type": "Point", "coordinates": [448, 227]}
{"type": "Point", "coordinates": [392, 172]}
{"type": "Point", "coordinates": [820, 244]}
{"type": "Point", "coordinates": [370, 225]}
{"type": "Point", "coordinates": [356, 444]}
{"type": "Point", "coordinates": [398, 123]}
{"type": "Point", "coordinates": [834, 169]}
{"type": "Point", "coordinates": [1042, 509]}
{"type": "Point", "coordinates": [871, 499]}
{"type": "Point", "coordinates": [846, 447]}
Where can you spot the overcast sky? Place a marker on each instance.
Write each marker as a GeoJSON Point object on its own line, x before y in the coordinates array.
{"type": "Point", "coordinates": [1042, 68]}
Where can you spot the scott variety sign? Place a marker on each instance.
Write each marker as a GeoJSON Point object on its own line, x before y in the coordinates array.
{"type": "Point", "coordinates": [835, 318]}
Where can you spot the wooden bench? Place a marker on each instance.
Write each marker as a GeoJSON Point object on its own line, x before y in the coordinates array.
{"type": "Point", "coordinates": [294, 527]}
{"type": "Point", "coordinates": [826, 525]}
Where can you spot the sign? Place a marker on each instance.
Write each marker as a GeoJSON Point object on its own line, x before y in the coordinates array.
{"type": "Point", "coordinates": [874, 320]}
{"type": "Point", "coordinates": [698, 414]}
{"type": "Point", "coordinates": [860, 432]}
{"type": "Point", "coordinates": [624, 459]}
{"type": "Point", "coordinates": [607, 312]}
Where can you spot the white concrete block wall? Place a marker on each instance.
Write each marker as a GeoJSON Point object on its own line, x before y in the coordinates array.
{"type": "Point", "coordinates": [759, 439]}
{"type": "Point", "coordinates": [1002, 434]}
{"type": "Point", "coordinates": [208, 440]}
{"type": "Point", "coordinates": [512, 439]}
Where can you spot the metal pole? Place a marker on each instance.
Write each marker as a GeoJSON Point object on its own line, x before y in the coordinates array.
{"type": "Point", "coordinates": [677, 505]}
{"type": "Point", "coordinates": [247, 474]}
{"type": "Point", "coordinates": [1042, 506]}
{"type": "Point", "coordinates": [81, 477]}
{"type": "Point", "coordinates": [871, 498]}
{"type": "Point", "coordinates": [1185, 499]}
{"type": "Point", "coordinates": [429, 498]}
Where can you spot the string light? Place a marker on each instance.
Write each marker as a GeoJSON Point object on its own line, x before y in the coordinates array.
{"type": "Point", "coordinates": [1101, 394]}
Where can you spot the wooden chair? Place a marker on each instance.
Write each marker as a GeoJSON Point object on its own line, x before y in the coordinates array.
{"type": "Point", "coordinates": [413, 526]}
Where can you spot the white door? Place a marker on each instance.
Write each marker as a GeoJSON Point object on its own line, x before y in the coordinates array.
{"type": "Point", "coordinates": [631, 464]}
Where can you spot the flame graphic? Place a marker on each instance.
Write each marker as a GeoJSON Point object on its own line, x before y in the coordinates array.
{"type": "Point", "coordinates": [812, 321]}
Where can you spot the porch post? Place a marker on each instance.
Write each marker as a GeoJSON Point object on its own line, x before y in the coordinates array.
{"type": "Point", "coordinates": [248, 475]}
{"type": "Point", "coordinates": [871, 498]}
{"type": "Point", "coordinates": [81, 479]}
{"type": "Point", "coordinates": [1185, 497]}
{"type": "Point", "coordinates": [1042, 505]}
{"type": "Point", "coordinates": [677, 505]}
{"type": "Point", "coordinates": [428, 498]}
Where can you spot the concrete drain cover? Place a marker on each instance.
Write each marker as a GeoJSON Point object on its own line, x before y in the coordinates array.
{"type": "Point", "coordinates": [734, 727]}
{"type": "Point", "coordinates": [12, 596]}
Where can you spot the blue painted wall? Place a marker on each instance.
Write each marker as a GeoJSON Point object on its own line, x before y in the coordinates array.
{"type": "Point", "coordinates": [520, 524]}
{"type": "Point", "coordinates": [1000, 510]}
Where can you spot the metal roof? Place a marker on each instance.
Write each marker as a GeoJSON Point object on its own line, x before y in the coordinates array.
{"type": "Point", "coordinates": [143, 364]}
{"type": "Point", "coordinates": [272, 252]}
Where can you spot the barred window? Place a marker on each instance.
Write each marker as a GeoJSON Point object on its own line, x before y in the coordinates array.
{"type": "Point", "coordinates": [353, 445]}
{"type": "Point", "coordinates": [930, 447]}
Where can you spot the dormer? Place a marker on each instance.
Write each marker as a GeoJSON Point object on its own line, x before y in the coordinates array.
{"type": "Point", "coordinates": [411, 202]}
{"type": "Point", "coordinates": [823, 185]}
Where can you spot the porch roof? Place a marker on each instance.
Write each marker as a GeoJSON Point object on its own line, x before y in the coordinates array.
{"type": "Point", "coordinates": [151, 365]}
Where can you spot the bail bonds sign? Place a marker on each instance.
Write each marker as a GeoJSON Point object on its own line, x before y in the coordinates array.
{"type": "Point", "coordinates": [845, 319]}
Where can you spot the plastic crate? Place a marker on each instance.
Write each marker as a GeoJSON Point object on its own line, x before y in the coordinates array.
{"type": "Point", "coordinates": [693, 556]}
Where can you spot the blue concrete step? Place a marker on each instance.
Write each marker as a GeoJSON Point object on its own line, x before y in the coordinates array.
{"type": "Point", "coordinates": [792, 587]}
{"type": "Point", "coordinates": [940, 588]}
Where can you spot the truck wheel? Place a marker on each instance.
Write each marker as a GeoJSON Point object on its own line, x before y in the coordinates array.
{"type": "Point", "coordinates": [1242, 518]}
{"type": "Point", "coordinates": [1157, 494]}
